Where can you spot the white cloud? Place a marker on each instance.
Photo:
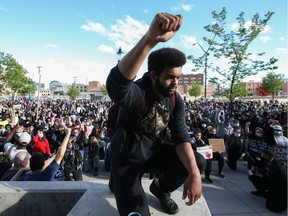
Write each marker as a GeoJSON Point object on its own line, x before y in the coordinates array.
{"type": "Point", "coordinates": [145, 10]}
{"type": "Point", "coordinates": [125, 32]}
{"type": "Point", "coordinates": [53, 46]}
{"type": "Point", "coordinates": [282, 50]}
{"type": "Point", "coordinates": [188, 41]}
{"type": "Point", "coordinates": [266, 29]}
{"type": "Point", "coordinates": [185, 7]}
{"type": "Point", "coordinates": [94, 27]}
{"type": "Point", "coordinates": [234, 26]}
{"type": "Point", "coordinates": [106, 49]}
{"type": "Point", "coordinates": [265, 39]}
{"type": "Point", "coordinates": [282, 39]}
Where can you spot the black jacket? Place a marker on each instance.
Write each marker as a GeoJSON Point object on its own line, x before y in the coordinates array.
{"type": "Point", "coordinates": [139, 136]}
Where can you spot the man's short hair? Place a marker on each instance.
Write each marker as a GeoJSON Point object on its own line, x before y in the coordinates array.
{"type": "Point", "coordinates": [36, 161]}
{"type": "Point", "coordinates": [20, 159]}
{"type": "Point", "coordinates": [165, 57]}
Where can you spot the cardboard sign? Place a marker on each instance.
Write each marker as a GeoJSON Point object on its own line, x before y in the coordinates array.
{"type": "Point", "coordinates": [206, 151]}
{"type": "Point", "coordinates": [217, 144]}
{"type": "Point", "coordinates": [256, 146]}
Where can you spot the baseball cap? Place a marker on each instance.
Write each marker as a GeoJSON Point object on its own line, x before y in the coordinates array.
{"type": "Point", "coordinates": [25, 138]}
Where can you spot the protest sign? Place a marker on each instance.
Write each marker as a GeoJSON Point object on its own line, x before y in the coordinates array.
{"type": "Point", "coordinates": [281, 153]}
{"type": "Point", "coordinates": [217, 144]}
{"type": "Point", "coordinates": [206, 151]}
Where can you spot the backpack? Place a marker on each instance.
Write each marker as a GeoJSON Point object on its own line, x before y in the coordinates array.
{"type": "Point", "coordinates": [114, 110]}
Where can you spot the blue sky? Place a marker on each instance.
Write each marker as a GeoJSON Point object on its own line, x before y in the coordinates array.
{"type": "Point", "coordinates": [74, 38]}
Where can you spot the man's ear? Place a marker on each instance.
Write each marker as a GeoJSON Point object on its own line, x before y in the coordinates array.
{"type": "Point", "coordinates": [153, 75]}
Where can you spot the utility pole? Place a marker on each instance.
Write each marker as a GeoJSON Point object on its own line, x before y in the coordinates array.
{"type": "Point", "coordinates": [39, 86]}
{"type": "Point", "coordinates": [206, 53]}
{"type": "Point", "coordinates": [75, 79]}
{"type": "Point", "coordinates": [205, 69]}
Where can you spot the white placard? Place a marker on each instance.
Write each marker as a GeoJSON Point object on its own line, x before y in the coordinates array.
{"type": "Point", "coordinates": [206, 151]}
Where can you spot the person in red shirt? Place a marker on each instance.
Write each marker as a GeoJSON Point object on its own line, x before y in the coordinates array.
{"type": "Point", "coordinates": [40, 143]}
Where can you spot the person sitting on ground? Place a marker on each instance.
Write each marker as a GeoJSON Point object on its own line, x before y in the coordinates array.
{"type": "Point", "coordinates": [218, 156]}
{"type": "Point", "coordinates": [21, 160]}
{"type": "Point", "coordinates": [270, 181]}
{"type": "Point", "coordinates": [197, 141]}
{"type": "Point", "coordinates": [235, 148]}
{"type": "Point", "coordinates": [72, 162]}
{"type": "Point", "coordinates": [21, 145]}
{"type": "Point", "coordinates": [40, 143]}
{"type": "Point", "coordinates": [37, 163]}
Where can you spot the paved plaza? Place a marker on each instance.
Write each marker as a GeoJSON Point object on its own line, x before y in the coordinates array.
{"type": "Point", "coordinates": [224, 197]}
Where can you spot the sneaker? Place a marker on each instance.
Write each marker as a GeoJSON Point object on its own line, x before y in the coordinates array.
{"type": "Point", "coordinates": [249, 172]}
{"type": "Point", "coordinates": [168, 204]}
{"type": "Point", "coordinates": [221, 174]}
{"type": "Point", "coordinates": [259, 193]}
{"type": "Point", "coordinates": [208, 179]}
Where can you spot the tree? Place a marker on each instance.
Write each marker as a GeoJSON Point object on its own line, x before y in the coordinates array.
{"type": "Point", "coordinates": [103, 89]}
{"type": "Point", "coordinates": [195, 89]}
{"type": "Point", "coordinates": [14, 77]}
{"type": "Point", "coordinates": [238, 90]}
{"type": "Point", "coordinates": [219, 86]}
{"type": "Point", "coordinates": [73, 92]}
{"type": "Point", "coordinates": [59, 92]}
{"type": "Point", "coordinates": [272, 83]}
{"type": "Point", "coordinates": [232, 46]}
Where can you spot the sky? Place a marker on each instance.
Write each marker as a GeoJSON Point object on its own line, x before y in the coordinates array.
{"type": "Point", "coordinates": [77, 40]}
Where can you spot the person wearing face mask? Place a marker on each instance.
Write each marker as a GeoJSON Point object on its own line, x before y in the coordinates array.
{"type": "Point", "coordinates": [218, 156]}
{"type": "Point", "coordinates": [73, 161]}
{"type": "Point", "coordinates": [270, 181]}
{"type": "Point", "coordinates": [235, 148]}
{"type": "Point", "coordinates": [279, 138]}
{"type": "Point", "coordinates": [40, 143]}
{"type": "Point", "coordinates": [256, 144]}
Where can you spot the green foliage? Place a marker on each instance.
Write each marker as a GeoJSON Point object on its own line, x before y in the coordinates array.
{"type": "Point", "coordinates": [60, 92]}
{"type": "Point", "coordinates": [238, 90]}
{"type": "Point", "coordinates": [73, 92]}
{"type": "Point", "coordinates": [195, 89]}
{"type": "Point", "coordinates": [231, 46]}
{"type": "Point", "coordinates": [14, 78]}
{"type": "Point", "coordinates": [103, 89]}
{"type": "Point", "coordinates": [272, 82]}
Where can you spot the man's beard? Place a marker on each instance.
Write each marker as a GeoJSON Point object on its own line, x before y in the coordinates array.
{"type": "Point", "coordinates": [161, 89]}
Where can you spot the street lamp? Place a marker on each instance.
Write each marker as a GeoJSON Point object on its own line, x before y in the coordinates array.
{"type": "Point", "coordinates": [206, 54]}
{"type": "Point", "coordinates": [75, 79]}
{"type": "Point", "coordinates": [120, 54]}
{"type": "Point", "coordinates": [39, 86]}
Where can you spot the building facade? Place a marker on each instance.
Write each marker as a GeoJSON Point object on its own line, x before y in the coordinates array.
{"type": "Point", "coordinates": [185, 81]}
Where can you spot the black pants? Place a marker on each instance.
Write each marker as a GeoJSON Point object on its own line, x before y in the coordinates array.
{"type": "Point", "coordinates": [127, 187]}
{"type": "Point", "coordinates": [260, 183]}
{"type": "Point", "coordinates": [218, 157]}
{"type": "Point", "coordinates": [76, 174]}
{"type": "Point", "coordinates": [233, 157]}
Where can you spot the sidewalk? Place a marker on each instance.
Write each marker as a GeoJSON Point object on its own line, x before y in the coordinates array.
{"type": "Point", "coordinates": [224, 197]}
{"type": "Point", "coordinates": [231, 195]}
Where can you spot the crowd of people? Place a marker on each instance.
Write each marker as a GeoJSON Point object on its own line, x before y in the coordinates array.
{"type": "Point", "coordinates": [250, 132]}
